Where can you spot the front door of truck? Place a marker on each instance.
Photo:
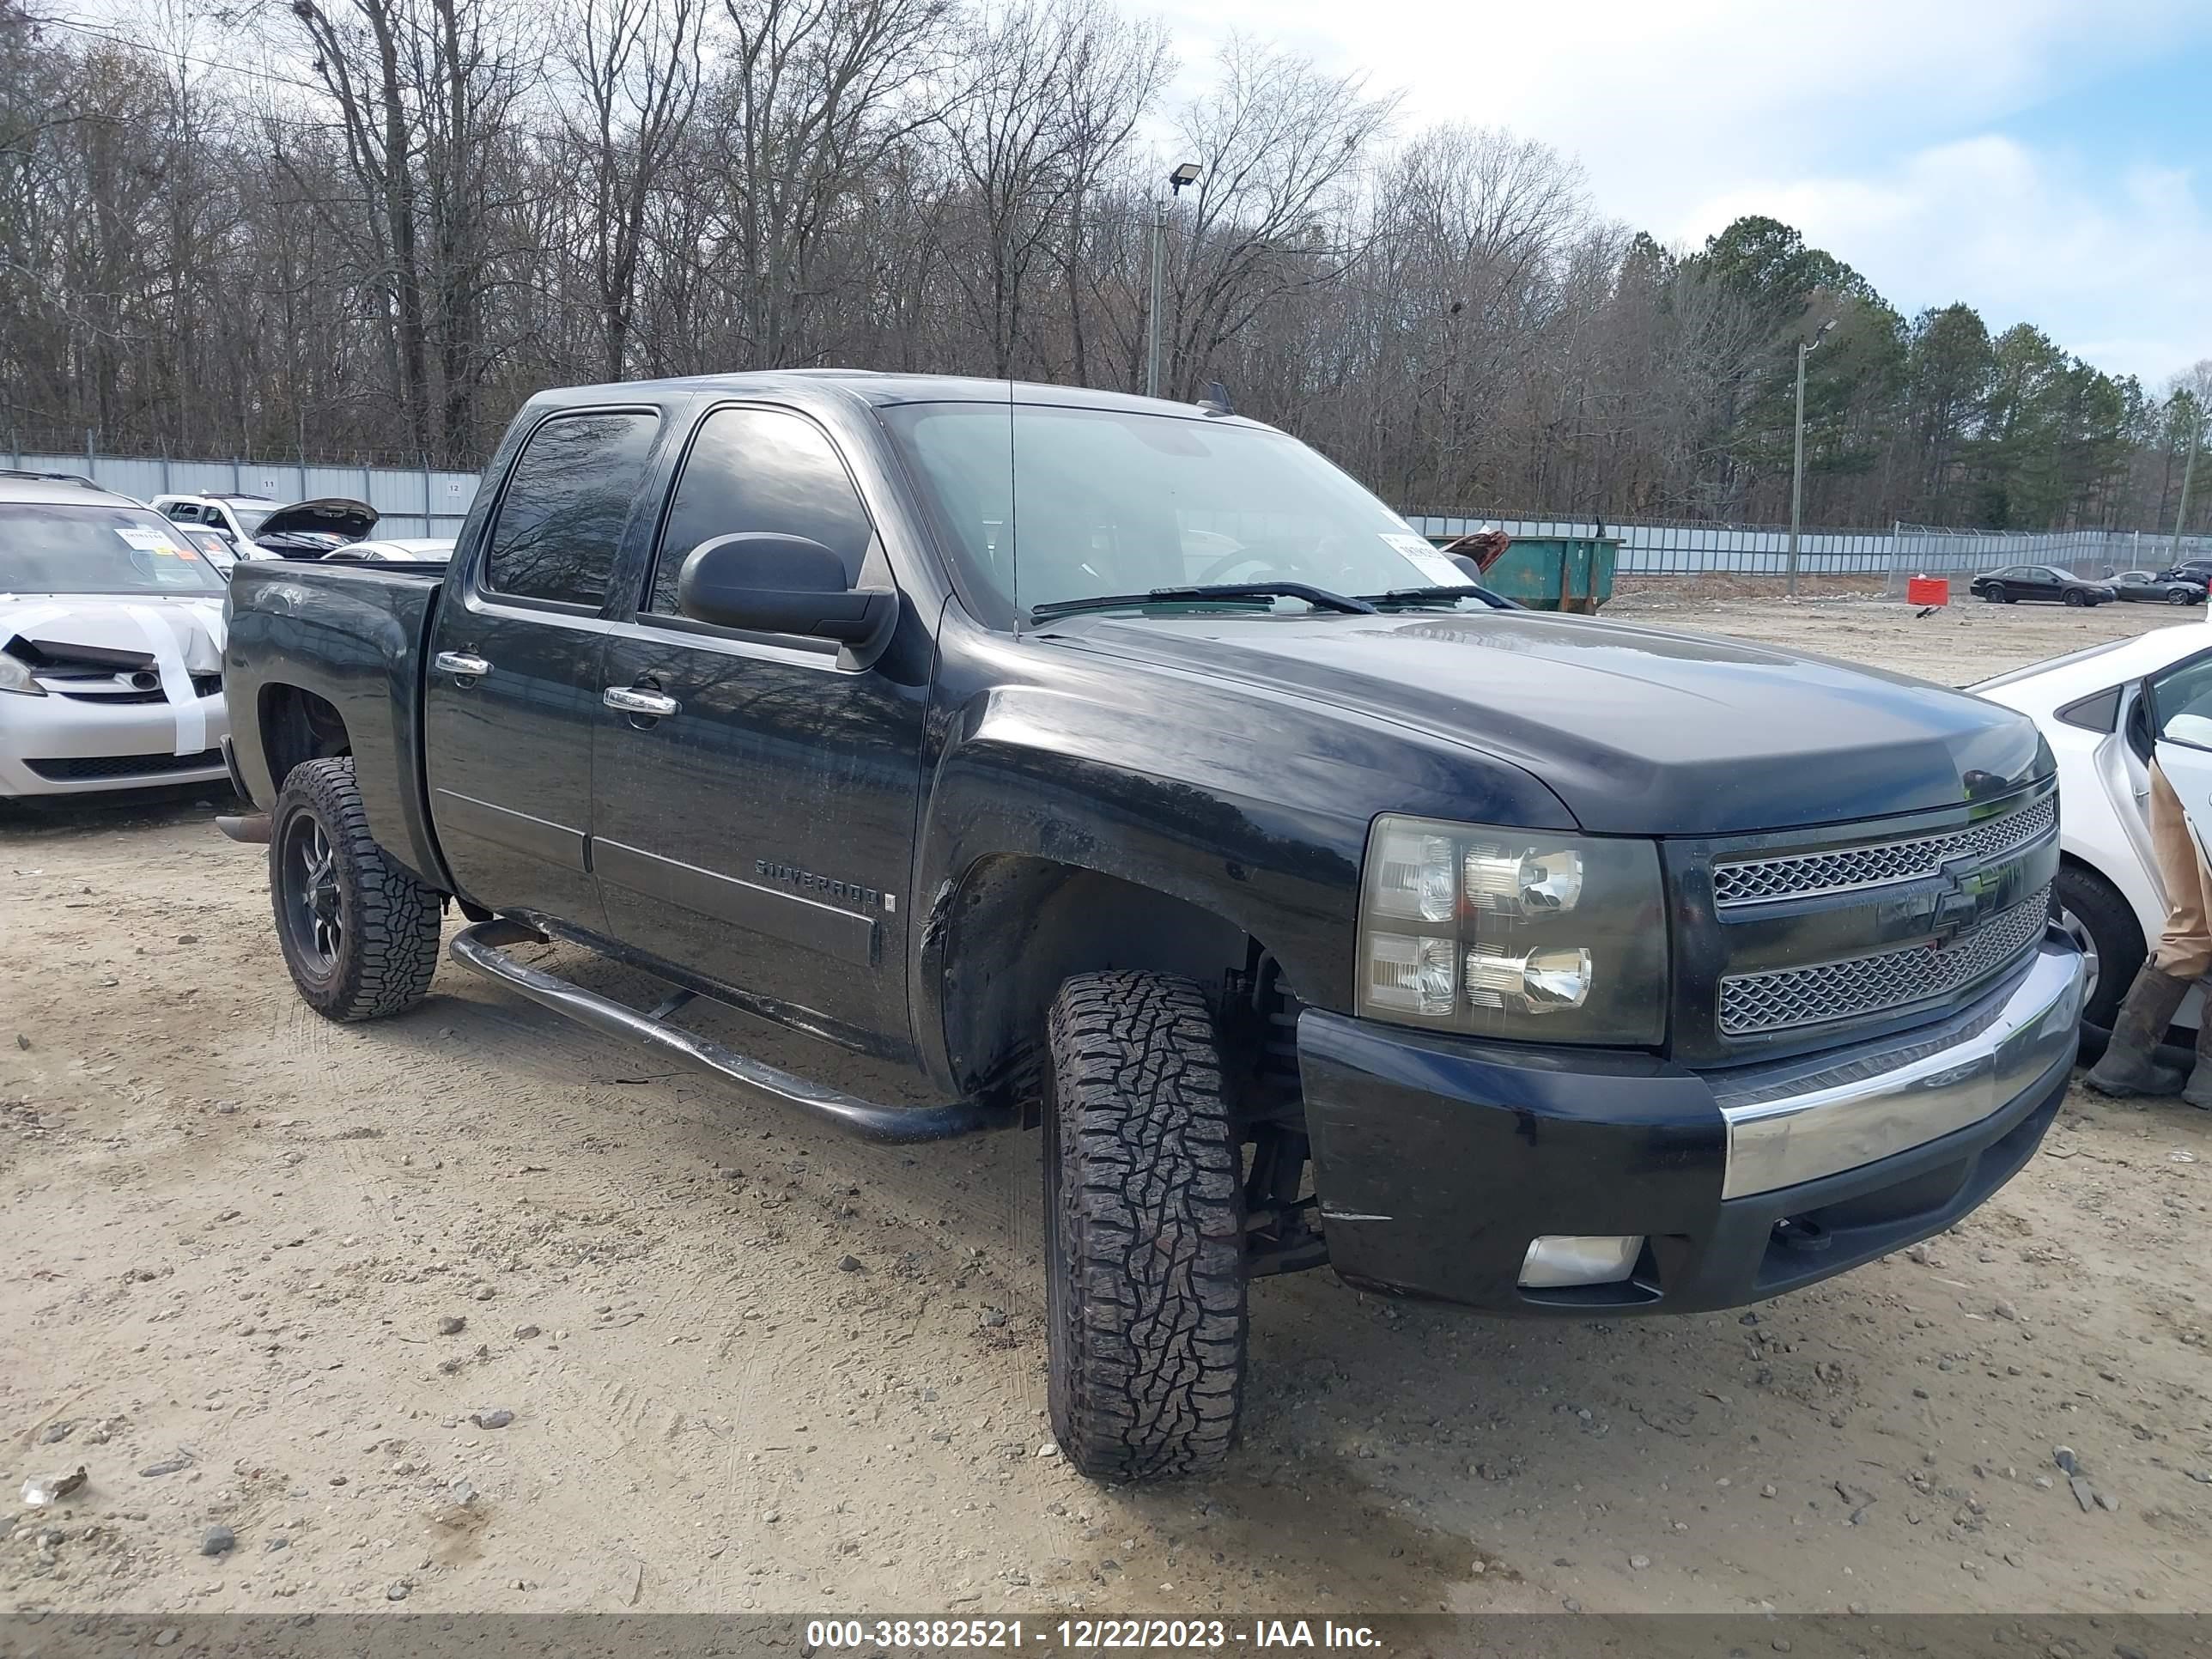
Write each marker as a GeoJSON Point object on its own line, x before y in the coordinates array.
{"type": "Point", "coordinates": [512, 694]}
{"type": "Point", "coordinates": [757, 792]}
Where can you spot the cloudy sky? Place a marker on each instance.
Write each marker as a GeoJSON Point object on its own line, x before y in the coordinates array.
{"type": "Point", "coordinates": [2046, 160]}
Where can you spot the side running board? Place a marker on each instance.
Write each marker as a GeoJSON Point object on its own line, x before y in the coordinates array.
{"type": "Point", "coordinates": [483, 947]}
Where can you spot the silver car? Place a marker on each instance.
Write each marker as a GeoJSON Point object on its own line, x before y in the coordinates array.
{"type": "Point", "coordinates": [110, 643]}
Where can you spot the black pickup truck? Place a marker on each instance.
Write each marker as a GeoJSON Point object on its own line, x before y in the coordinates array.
{"type": "Point", "coordinates": [1123, 767]}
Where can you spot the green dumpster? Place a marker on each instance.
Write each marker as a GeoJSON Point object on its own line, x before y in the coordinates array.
{"type": "Point", "coordinates": [1554, 573]}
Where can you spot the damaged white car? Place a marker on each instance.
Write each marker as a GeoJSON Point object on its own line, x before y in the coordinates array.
{"type": "Point", "coordinates": [110, 644]}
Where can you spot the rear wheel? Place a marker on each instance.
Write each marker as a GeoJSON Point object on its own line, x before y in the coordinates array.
{"type": "Point", "coordinates": [2092, 911]}
{"type": "Point", "coordinates": [1144, 1231]}
{"type": "Point", "coordinates": [359, 933]}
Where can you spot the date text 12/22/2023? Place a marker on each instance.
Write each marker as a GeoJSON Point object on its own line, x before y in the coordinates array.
{"type": "Point", "coordinates": [1084, 1635]}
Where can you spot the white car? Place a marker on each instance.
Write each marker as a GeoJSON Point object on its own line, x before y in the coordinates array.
{"type": "Point", "coordinates": [110, 644]}
{"type": "Point", "coordinates": [260, 528]}
{"type": "Point", "coordinates": [409, 551]}
{"type": "Point", "coordinates": [237, 517]}
{"type": "Point", "coordinates": [2096, 708]}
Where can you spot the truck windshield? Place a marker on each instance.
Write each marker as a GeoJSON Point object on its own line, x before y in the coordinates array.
{"type": "Point", "coordinates": [51, 548]}
{"type": "Point", "coordinates": [1040, 505]}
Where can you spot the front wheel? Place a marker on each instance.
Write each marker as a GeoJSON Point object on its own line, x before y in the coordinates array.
{"type": "Point", "coordinates": [2076, 598]}
{"type": "Point", "coordinates": [2180, 596]}
{"type": "Point", "coordinates": [1994, 593]}
{"type": "Point", "coordinates": [359, 933]}
{"type": "Point", "coordinates": [1144, 1231]}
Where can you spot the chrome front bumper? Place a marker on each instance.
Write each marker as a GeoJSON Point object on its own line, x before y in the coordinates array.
{"type": "Point", "coordinates": [1824, 1114]}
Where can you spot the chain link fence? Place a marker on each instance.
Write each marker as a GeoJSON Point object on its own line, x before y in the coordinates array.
{"type": "Point", "coordinates": [1958, 556]}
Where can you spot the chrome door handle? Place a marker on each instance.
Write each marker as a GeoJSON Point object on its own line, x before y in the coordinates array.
{"type": "Point", "coordinates": [461, 663]}
{"type": "Point", "coordinates": [631, 701]}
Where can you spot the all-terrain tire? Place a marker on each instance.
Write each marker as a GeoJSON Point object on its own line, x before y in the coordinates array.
{"type": "Point", "coordinates": [1144, 1231]}
{"type": "Point", "coordinates": [331, 886]}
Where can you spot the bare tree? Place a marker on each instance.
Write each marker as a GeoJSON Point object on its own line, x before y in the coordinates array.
{"type": "Point", "coordinates": [813, 95]}
{"type": "Point", "coordinates": [635, 65]}
{"type": "Point", "coordinates": [1280, 145]}
{"type": "Point", "coordinates": [368, 228]}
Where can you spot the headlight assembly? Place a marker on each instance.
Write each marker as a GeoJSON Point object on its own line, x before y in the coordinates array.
{"type": "Point", "coordinates": [15, 676]}
{"type": "Point", "coordinates": [1513, 932]}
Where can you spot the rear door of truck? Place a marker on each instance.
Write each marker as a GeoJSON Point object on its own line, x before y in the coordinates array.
{"type": "Point", "coordinates": [514, 681]}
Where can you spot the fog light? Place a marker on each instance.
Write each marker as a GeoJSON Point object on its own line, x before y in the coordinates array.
{"type": "Point", "coordinates": [1558, 1260]}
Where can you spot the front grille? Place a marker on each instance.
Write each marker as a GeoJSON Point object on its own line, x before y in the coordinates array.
{"type": "Point", "coordinates": [1859, 987]}
{"type": "Point", "coordinates": [204, 686]}
{"type": "Point", "coordinates": [1882, 864]}
{"type": "Point", "coordinates": [84, 768]}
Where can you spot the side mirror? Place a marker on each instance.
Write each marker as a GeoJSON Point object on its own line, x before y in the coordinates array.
{"type": "Point", "coordinates": [768, 583]}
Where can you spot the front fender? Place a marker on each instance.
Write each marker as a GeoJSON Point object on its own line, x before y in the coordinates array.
{"type": "Point", "coordinates": [1252, 808]}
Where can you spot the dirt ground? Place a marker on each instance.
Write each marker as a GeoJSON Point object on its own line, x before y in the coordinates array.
{"type": "Point", "coordinates": [264, 1274]}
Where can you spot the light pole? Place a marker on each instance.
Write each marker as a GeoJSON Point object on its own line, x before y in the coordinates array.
{"type": "Point", "coordinates": [1185, 173]}
{"type": "Point", "coordinates": [1805, 348]}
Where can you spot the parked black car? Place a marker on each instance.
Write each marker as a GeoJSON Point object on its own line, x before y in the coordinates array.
{"type": "Point", "coordinates": [1122, 767]}
{"type": "Point", "coordinates": [2140, 588]}
{"type": "Point", "coordinates": [2189, 570]}
{"type": "Point", "coordinates": [2041, 582]}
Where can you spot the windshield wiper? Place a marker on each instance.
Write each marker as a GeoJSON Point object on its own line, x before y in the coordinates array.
{"type": "Point", "coordinates": [1398, 598]}
{"type": "Point", "coordinates": [1319, 598]}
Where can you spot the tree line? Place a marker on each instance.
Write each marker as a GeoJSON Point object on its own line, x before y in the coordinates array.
{"type": "Point", "coordinates": [367, 229]}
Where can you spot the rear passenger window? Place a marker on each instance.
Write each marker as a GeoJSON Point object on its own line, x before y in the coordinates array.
{"type": "Point", "coordinates": [753, 470]}
{"type": "Point", "coordinates": [561, 518]}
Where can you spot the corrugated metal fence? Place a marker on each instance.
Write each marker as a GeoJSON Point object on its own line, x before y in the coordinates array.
{"type": "Point", "coordinates": [1673, 548]}
{"type": "Point", "coordinates": [410, 501]}
{"type": "Point", "coordinates": [424, 502]}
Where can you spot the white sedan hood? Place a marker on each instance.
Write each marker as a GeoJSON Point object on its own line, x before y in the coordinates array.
{"type": "Point", "coordinates": [179, 635]}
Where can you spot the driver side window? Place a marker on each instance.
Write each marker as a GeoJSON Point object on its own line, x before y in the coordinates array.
{"type": "Point", "coordinates": [760, 470]}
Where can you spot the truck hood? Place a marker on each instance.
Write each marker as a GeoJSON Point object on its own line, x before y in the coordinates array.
{"type": "Point", "coordinates": [1639, 731]}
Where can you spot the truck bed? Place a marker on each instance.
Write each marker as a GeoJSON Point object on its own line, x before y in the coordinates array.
{"type": "Point", "coordinates": [353, 636]}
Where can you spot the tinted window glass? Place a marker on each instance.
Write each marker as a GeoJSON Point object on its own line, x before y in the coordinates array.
{"type": "Point", "coordinates": [563, 515]}
{"type": "Point", "coordinates": [2100, 712]}
{"type": "Point", "coordinates": [760, 469]}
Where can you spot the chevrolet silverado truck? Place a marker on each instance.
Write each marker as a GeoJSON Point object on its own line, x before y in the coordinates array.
{"type": "Point", "coordinates": [1123, 768]}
